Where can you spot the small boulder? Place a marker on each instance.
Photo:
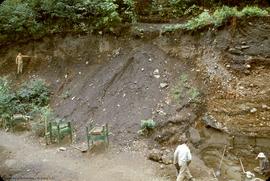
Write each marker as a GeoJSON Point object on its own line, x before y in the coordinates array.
{"type": "Point", "coordinates": [156, 71]}
{"type": "Point", "coordinates": [241, 87]}
{"type": "Point", "coordinates": [166, 159]}
{"type": "Point", "coordinates": [264, 106]}
{"type": "Point", "coordinates": [62, 149]}
{"type": "Point", "coordinates": [157, 76]}
{"type": "Point", "coordinates": [210, 120]}
{"type": "Point", "coordinates": [244, 47]}
{"type": "Point", "coordinates": [235, 51]}
{"type": "Point", "coordinates": [155, 155]}
{"type": "Point", "coordinates": [163, 85]}
{"type": "Point", "coordinates": [194, 135]}
{"type": "Point", "coordinates": [253, 110]}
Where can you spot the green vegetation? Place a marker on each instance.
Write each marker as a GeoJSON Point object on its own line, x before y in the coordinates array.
{"type": "Point", "coordinates": [24, 19]}
{"type": "Point", "coordinates": [178, 89]}
{"type": "Point", "coordinates": [183, 88]}
{"type": "Point", "coordinates": [174, 8]}
{"type": "Point", "coordinates": [180, 6]}
{"type": "Point", "coordinates": [147, 126]}
{"type": "Point", "coordinates": [203, 19]}
{"type": "Point", "coordinates": [35, 92]}
{"type": "Point", "coordinates": [180, 9]}
{"type": "Point", "coordinates": [222, 14]}
{"type": "Point", "coordinates": [45, 116]}
{"type": "Point", "coordinates": [32, 97]}
{"type": "Point", "coordinates": [194, 95]}
{"type": "Point", "coordinates": [8, 102]}
{"type": "Point", "coordinates": [217, 18]}
{"type": "Point", "coordinates": [35, 18]}
{"type": "Point", "coordinates": [254, 11]}
{"type": "Point", "coordinates": [30, 100]}
{"type": "Point", "coordinates": [129, 13]}
{"type": "Point", "coordinates": [66, 94]}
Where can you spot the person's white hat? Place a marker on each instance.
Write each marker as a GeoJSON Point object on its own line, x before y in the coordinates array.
{"type": "Point", "coordinates": [249, 174]}
{"type": "Point", "coordinates": [261, 155]}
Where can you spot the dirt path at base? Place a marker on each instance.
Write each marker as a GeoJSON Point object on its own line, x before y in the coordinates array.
{"type": "Point", "coordinates": [22, 157]}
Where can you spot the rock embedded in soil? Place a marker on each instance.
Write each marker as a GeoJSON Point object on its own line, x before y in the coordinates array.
{"type": "Point", "coordinates": [163, 85]}
{"type": "Point", "coordinates": [155, 155]}
{"type": "Point", "coordinates": [194, 135]}
{"type": "Point", "coordinates": [62, 149]}
{"type": "Point", "coordinates": [235, 51]}
{"type": "Point", "coordinates": [157, 76]}
{"type": "Point", "coordinates": [264, 106]}
{"type": "Point", "coordinates": [156, 72]}
{"type": "Point", "coordinates": [209, 120]}
{"type": "Point", "coordinates": [253, 110]}
{"type": "Point", "coordinates": [161, 156]}
{"type": "Point", "coordinates": [245, 47]}
{"type": "Point", "coordinates": [166, 159]}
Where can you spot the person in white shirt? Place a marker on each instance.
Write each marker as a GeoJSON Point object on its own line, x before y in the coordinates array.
{"type": "Point", "coordinates": [181, 159]}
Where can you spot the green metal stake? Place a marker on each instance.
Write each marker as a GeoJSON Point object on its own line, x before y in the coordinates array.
{"type": "Point", "coordinates": [69, 125]}
{"type": "Point", "coordinates": [50, 131]}
{"type": "Point", "coordinates": [87, 138]}
{"type": "Point", "coordinates": [58, 131]}
{"type": "Point", "coordinates": [107, 134]}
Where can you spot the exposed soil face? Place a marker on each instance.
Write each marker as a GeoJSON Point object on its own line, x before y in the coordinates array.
{"type": "Point", "coordinates": [216, 78]}
{"type": "Point", "coordinates": [233, 63]}
{"type": "Point", "coordinates": [246, 58]}
{"type": "Point", "coordinates": [108, 79]}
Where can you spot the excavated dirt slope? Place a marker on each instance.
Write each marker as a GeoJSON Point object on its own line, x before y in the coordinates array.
{"type": "Point", "coordinates": [217, 78]}
{"type": "Point", "coordinates": [118, 80]}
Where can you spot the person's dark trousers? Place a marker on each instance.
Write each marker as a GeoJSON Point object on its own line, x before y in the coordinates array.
{"type": "Point", "coordinates": [177, 167]}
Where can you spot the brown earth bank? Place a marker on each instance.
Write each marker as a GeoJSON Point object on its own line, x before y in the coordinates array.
{"type": "Point", "coordinates": [211, 85]}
